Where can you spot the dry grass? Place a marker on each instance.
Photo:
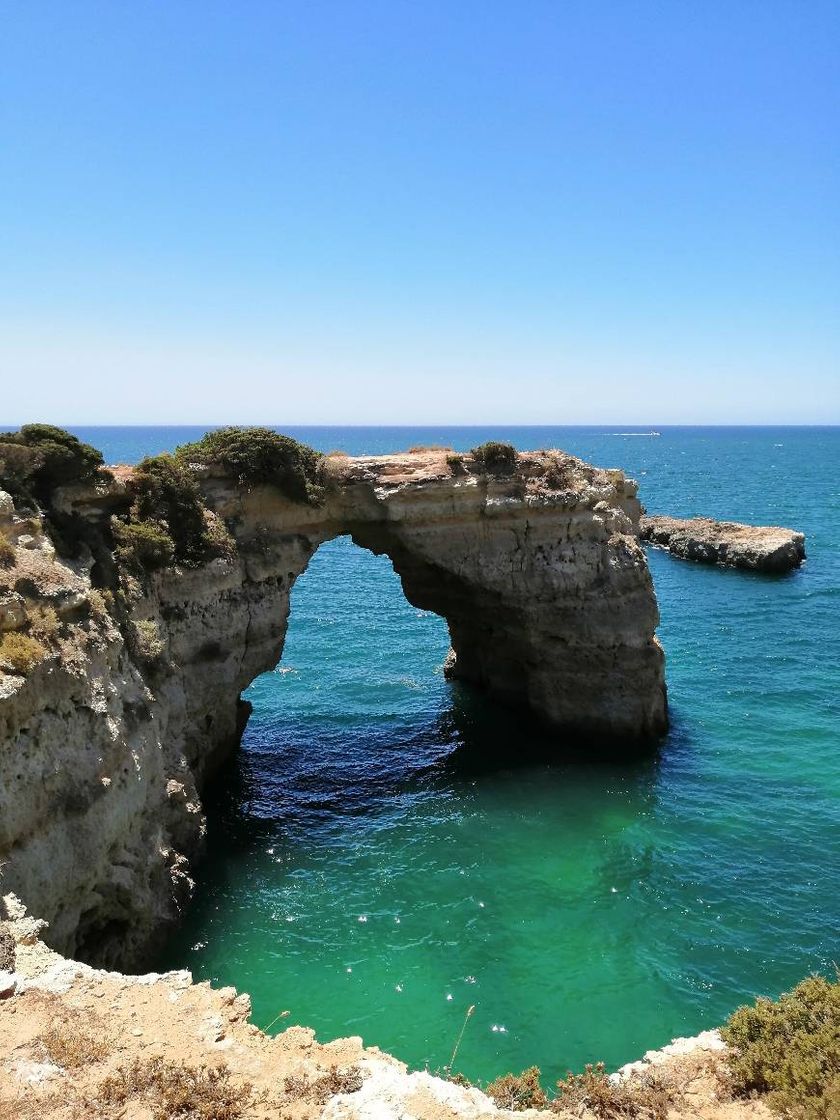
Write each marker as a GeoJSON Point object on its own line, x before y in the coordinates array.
{"type": "Point", "coordinates": [518, 1091]}
{"type": "Point", "coordinates": [422, 448]}
{"type": "Point", "coordinates": [67, 1045]}
{"type": "Point", "coordinates": [20, 653]}
{"type": "Point", "coordinates": [592, 1090]}
{"type": "Point", "coordinates": [318, 1090]}
{"type": "Point", "coordinates": [175, 1090]}
{"type": "Point", "coordinates": [44, 624]}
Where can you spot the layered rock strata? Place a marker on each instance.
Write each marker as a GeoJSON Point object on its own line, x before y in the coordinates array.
{"type": "Point", "coordinates": [107, 738]}
{"type": "Point", "coordinates": [758, 548]}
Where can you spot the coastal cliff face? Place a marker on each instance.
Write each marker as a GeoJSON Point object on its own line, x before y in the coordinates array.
{"type": "Point", "coordinates": [107, 737]}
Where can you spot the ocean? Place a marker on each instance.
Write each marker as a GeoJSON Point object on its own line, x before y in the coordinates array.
{"type": "Point", "coordinates": [388, 849]}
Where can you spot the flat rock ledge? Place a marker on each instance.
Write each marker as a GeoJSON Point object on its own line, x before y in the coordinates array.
{"type": "Point", "coordinates": [756, 548]}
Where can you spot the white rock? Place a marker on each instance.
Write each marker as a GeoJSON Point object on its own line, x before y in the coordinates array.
{"type": "Point", "coordinates": [8, 984]}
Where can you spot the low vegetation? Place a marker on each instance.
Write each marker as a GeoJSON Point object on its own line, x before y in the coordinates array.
{"type": "Point", "coordinates": [319, 1089]}
{"type": "Point", "coordinates": [71, 1047]}
{"type": "Point", "coordinates": [590, 1093]}
{"type": "Point", "coordinates": [260, 456]}
{"type": "Point", "coordinates": [7, 552]}
{"type": "Point", "coordinates": [44, 624]}
{"type": "Point", "coordinates": [145, 641]}
{"type": "Point", "coordinates": [518, 1091]}
{"type": "Point", "coordinates": [144, 545]}
{"type": "Point", "coordinates": [39, 457]}
{"type": "Point", "coordinates": [173, 1090]}
{"type": "Point", "coordinates": [593, 1091]}
{"type": "Point", "coordinates": [20, 653]}
{"type": "Point", "coordinates": [494, 458]}
{"type": "Point", "coordinates": [788, 1051]}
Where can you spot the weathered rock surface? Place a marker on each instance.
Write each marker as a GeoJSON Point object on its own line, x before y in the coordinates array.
{"type": "Point", "coordinates": [106, 741]}
{"type": "Point", "coordinates": [759, 548]}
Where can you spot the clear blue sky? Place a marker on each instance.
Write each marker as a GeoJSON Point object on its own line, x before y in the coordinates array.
{"type": "Point", "coordinates": [427, 211]}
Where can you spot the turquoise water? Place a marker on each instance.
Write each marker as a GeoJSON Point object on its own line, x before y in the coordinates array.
{"type": "Point", "coordinates": [387, 849]}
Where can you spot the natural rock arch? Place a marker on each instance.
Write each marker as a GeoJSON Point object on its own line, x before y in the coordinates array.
{"type": "Point", "coordinates": [546, 591]}
{"type": "Point", "coordinates": [538, 573]}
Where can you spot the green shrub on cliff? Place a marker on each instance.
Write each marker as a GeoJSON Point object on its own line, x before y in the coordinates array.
{"type": "Point", "coordinates": [494, 458]}
{"type": "Point", "coordinates": [165, 492]}
{"type": "Point", "coordinates": [788, 1051]}
{"type": "Point", "coordinates": [20, 653]}
{"type": "Point", "coordinates": [168, 522]}
{"type": "Point", "coordinates": [260, 456]}
{"type": "Point", "coordinates": [142, 544]}
{"type": "Point", "coordinates": [39, 457]}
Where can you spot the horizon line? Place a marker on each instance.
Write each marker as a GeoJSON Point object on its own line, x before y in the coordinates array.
{"type": "Point", "coordinates": [425, 424]}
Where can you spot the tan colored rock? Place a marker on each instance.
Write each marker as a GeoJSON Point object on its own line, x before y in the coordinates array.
{"type": "Point", "coordinates": [760, 548]}
{"type": "Point", "coordinates": [106, 745]}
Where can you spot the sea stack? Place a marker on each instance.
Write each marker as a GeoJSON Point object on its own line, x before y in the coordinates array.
{"type": "Point", "coordinates": [757, 548]}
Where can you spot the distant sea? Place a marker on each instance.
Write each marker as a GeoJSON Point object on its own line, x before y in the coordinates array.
{"type": "Point", "coordinates": [383, 855]}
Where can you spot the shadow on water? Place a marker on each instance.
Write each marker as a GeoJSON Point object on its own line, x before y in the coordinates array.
{"type": "Point", "coordinates": [305, 777]}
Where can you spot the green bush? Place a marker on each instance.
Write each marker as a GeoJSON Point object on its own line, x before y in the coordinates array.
{"type": "Point", "coordinates": [39, 457]}
{"type": "Point", "coordinates": [20, 652]}
{"type": "Point", "coordinates": [143, 544]}
{"type": "Point", "coordinates": [260, 456]}
{"type": "Point", "coordinates": [494, 458]}
{"type": "Point", "coordinates": [166, 493]}
{"type": "Point", "coordinates": [789, 1050]}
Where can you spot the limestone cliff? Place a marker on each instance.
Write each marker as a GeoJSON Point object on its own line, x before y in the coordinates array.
{"type": "Point", "coordinates": [108, 732]}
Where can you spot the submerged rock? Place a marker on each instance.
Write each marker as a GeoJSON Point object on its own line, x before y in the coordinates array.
{"type": "Point", "coordinates": [759, 548]}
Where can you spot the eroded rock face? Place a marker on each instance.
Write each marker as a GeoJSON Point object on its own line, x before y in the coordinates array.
{"type": "Point", "coordinates": [759, 548]}
{"type": "Point", "coordinates": [106, 741]}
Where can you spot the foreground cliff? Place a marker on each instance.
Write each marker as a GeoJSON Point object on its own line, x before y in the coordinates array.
{"type": "Point", "coordinates": [78, 1042]}
{"type": "Point", "coordinates": [123, 655]}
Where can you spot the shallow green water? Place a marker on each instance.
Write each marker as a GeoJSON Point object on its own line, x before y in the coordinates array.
{"type": "Point", "coordinates": [383, 854]}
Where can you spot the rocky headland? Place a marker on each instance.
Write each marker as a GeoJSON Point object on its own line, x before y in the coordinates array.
{"type": "Point", "coordinates": [136, 604]}
{"type": "Point", "coordinates": [757, 548]}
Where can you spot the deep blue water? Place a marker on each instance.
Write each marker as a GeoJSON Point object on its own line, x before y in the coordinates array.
{"type": "Point", "coordinates": [587, 911]}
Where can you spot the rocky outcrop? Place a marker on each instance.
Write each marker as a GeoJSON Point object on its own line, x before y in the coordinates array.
{"type": "Point", "coordinates": [758, 548]}
{"type": "Point", "coordinates": [107, 738]}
